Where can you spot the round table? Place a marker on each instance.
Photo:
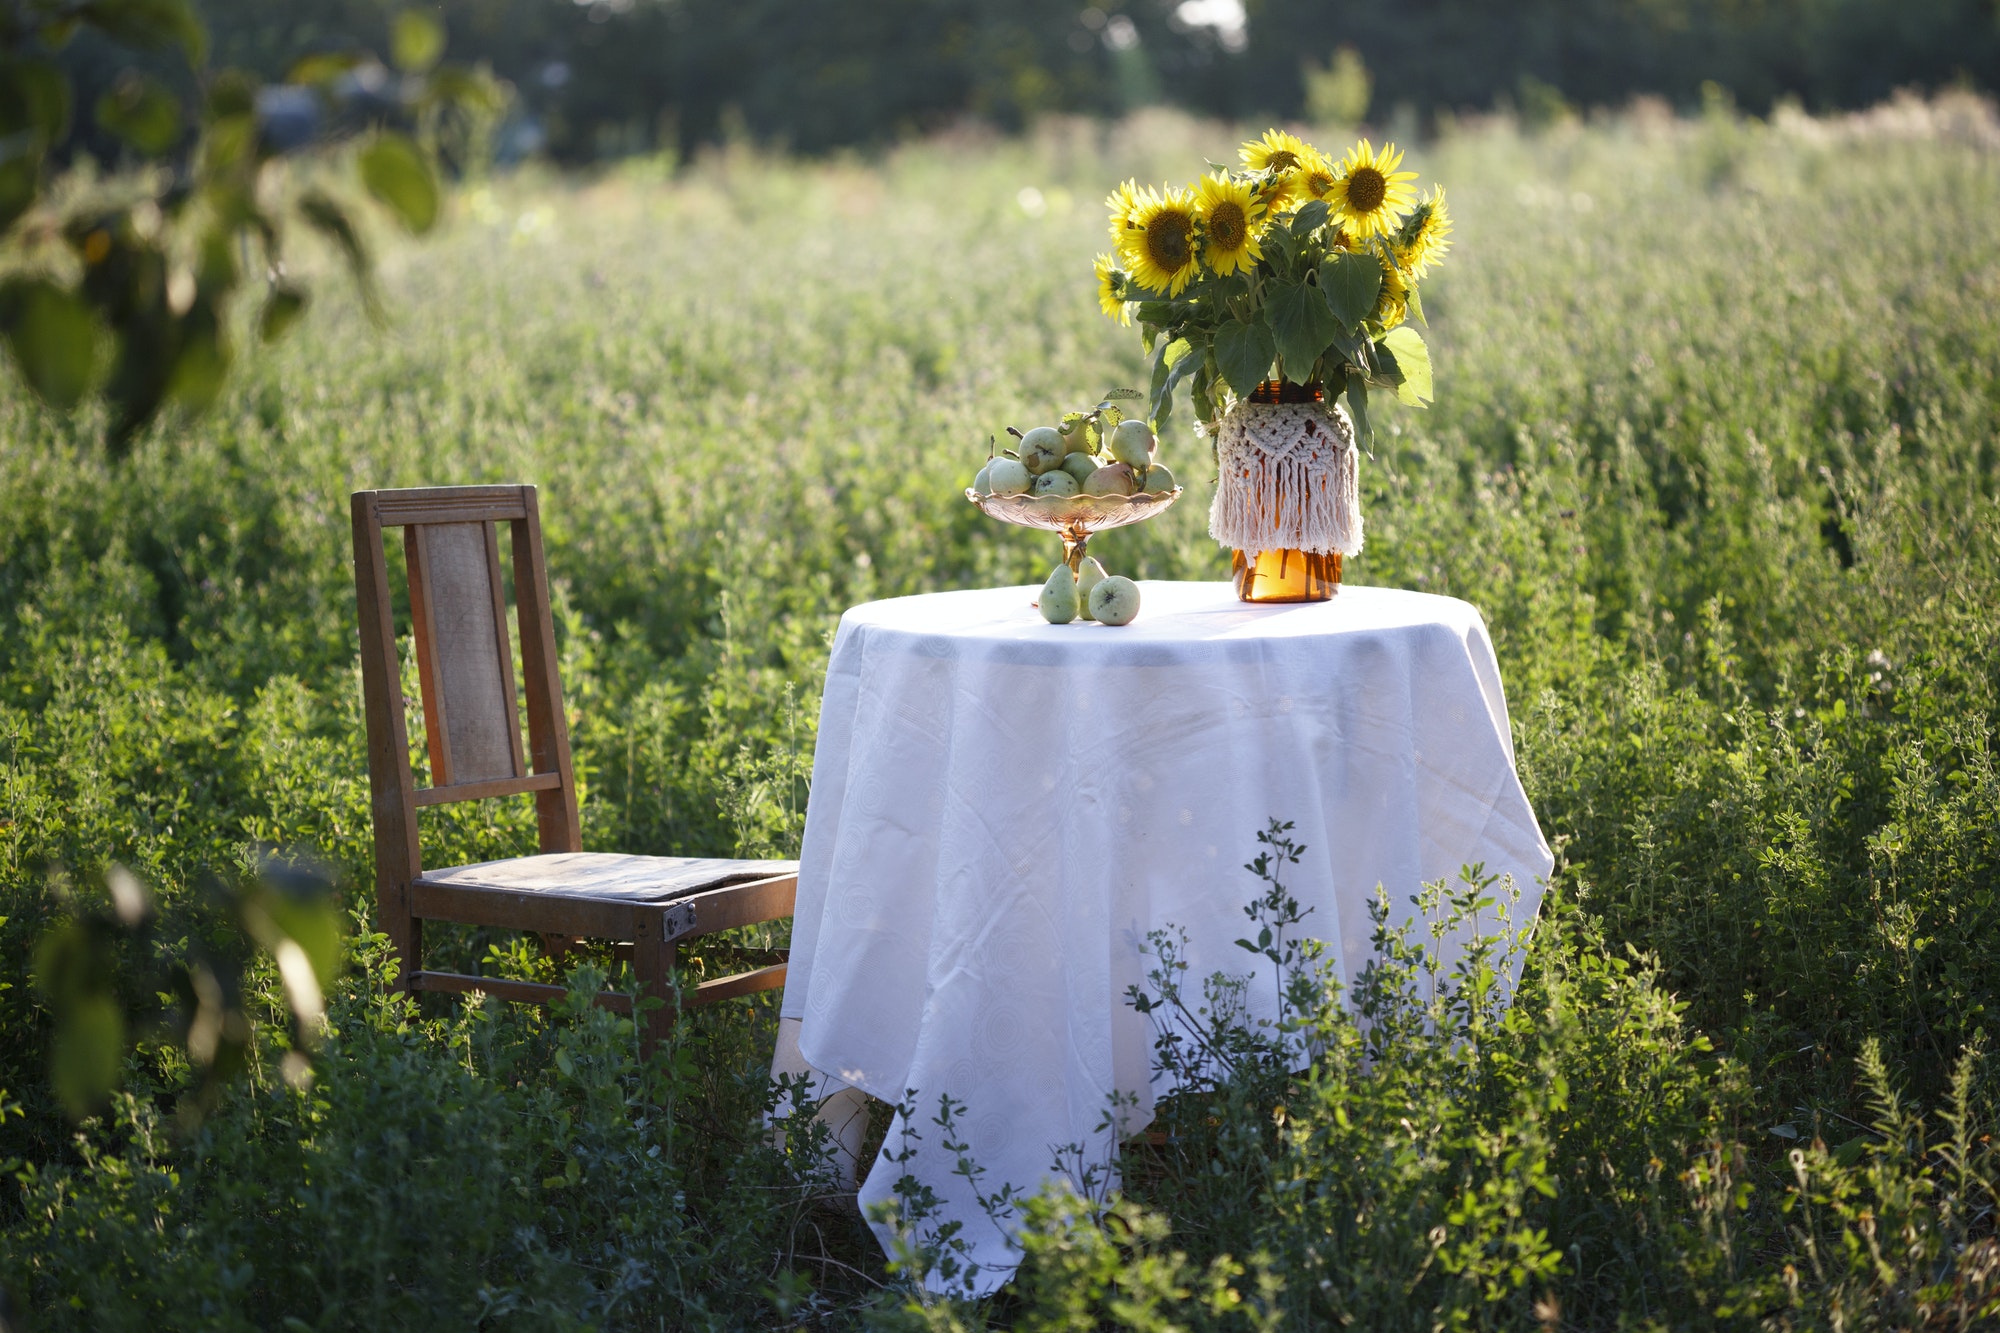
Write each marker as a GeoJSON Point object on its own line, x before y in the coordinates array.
{"type": "Point", "coordinates": [1002, 809]}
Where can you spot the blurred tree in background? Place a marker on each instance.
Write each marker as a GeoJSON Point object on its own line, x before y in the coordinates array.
{"type": "Point", "coordinates": [596, 78]}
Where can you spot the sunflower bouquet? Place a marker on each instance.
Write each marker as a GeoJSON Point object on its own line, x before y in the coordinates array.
{"type": "Point", "coordinates": [1298, 267]}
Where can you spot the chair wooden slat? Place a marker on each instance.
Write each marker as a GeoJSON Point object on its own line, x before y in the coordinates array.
{"type": "Point", "coordinates": [449, 504]}
{"type": "Point", "coordinates": [480, 791]}
{"type": "Point", "coordinates": [463, 654]}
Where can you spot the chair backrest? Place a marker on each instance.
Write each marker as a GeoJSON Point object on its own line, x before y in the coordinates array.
{"type": "Point", "coordinates": [472, 721]}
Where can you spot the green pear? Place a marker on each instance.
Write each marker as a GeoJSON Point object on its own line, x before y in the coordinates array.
{"type": "Point", "coordinates": [1087, 578]}
{"type": "Point", "coordinates": [1076, 436]}
{"type": "Point", "coordinates": [1114, 601]}
{"type": "Point", "coordinates": [982, 483]}
{"type": "Point", "coordinates": [1058, 600]}
{"type": "Point", "coordinates": [1111, 479]}
{"type": "Point", "coordinates": [1132, 443]}
{"type": "Point", "coordinates": [1007, 476]}
{"type": "Point", "coordinates": [1157, 479]}
{"type": "Point", "coordinates": [1079, 466]}
{"type": "Point", "coordinates": [1042, 449]}
{"type": "Point", "coordinates": [1057, 482]}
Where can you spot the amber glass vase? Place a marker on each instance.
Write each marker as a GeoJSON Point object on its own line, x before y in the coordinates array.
{"type": "Point", "coordinates": [1291, 575]}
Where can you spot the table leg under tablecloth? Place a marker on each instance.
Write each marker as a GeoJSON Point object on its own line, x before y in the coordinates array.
{"type": "Point", "coordinates": [842, 1109]}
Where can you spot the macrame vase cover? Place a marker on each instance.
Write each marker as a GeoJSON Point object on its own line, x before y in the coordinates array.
{"type": "Point", "coordinates": [1289, 480]}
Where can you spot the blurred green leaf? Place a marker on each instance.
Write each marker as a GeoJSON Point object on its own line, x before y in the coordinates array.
{"type": "Point", "coordinates": [474, 89]}
{"type": "Point", "coordinates": [322, 67]}
{"type": "Point", "coordinates": [330, 220]}
{"type": "Point", "coordinates": [232, 93]}
{"type": "Point", "coordinates": [1413, 359]}
{"type": "Point", "coordinates": [34, 95]}
{"type": "Point", "coordinates": [229, 140]}
{"type": "Point", "coordinates": [203, 361]}
{"type": "Point", "coordinates": [150, 23]}
{"type": "Point", "coordinates": [416, 40]}
{"type": "Point", "coordinates": [1350, 283]}
{"type": "Point", "coordinates": [20, 175]}
{"type": "Point", "coordinates": [53, 336]}
{"type": "Point", "coordinates": [141, 111]}
{"type": "Point", "coordinates": [396, 173]}
{"type": "Point", "coordinates": [282, 309]}
{"type": "Point", "coordinates": [88, 1051]}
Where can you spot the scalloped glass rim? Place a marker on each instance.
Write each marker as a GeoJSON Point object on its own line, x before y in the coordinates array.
{"type": "Point", "coordinates": [1093, 513]}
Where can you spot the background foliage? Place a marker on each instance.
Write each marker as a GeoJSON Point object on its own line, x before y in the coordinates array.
{"type": "Point", "coordinates": [615, 76]}
{"type": "Point", "coordinates": [1715, 453]}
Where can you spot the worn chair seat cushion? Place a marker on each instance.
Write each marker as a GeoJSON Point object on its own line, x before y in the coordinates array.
{"type": "Point", "coordinates": [607, 876]}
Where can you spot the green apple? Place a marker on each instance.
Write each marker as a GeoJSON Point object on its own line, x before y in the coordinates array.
{"type": "Point", "coordinates": [1058, 600]}
{"type": "Point", "coordinates": [1111, 479]}
{"type": "Point", "coordinates": [1042, 449]}
{"type": "Point", "coordinates": [1132, 443]}
{"type": "Point", "coordinates": [1114, 601]}
{"type": "Point", "coordinates": [1058, 482]}
{"type": "Point", "coordinates": [1079, 466]}
{"type": "Point", "coordinates": [1007, 476]}
{"type": "Point", "coordinates": [1087, 578]}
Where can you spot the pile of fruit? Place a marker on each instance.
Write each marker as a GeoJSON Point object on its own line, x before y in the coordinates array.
{"type": "Point", "coordinates": [1109, 599]}
{"type": "Point", "coordinates": [1078, 458]}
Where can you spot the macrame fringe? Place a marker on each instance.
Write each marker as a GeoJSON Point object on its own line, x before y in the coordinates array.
{"type": "Point", "coordinates": [1289, 480]}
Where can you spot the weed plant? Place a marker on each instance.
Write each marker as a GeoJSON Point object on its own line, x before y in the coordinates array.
{"type": "Point", "coordinates": [1714, 452]}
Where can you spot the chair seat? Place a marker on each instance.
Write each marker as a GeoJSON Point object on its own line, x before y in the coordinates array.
{"type": "Point", "coordinates": [605, 876]}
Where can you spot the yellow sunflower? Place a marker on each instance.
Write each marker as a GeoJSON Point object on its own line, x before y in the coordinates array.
{"type": "Point", "coordinates": [1282, 155]}
{"type": "Point", "coordinates": [1371, 196]}
{"type": "Point", "coordinates": [1110, 282]}
{"type": "Point", "coordinates": [1121, 202]}
{"type": "Point", "coordinates": [1425, 236]}
{"type": "Point", "coordinates": [1392, 304]}
{"type": "Point", "coordinates": [1158, 243]}
{"type": "Point", "coordinates": [1230, 211]}
{"type": "Point", "coordinates": [1317, 176]}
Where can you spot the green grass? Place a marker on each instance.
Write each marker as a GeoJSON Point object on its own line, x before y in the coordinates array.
{"type": "Point", "coordinates": [1715, 452]}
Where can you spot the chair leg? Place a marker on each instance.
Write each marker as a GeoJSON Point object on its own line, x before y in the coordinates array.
{"type": "Point", "coordinates": [406, 937]}
{"type": "Point", "coordinates": [653, 961]}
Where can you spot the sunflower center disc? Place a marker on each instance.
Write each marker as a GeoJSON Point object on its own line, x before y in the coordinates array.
{"type": "Point", "coordinates": [1282, 160]}
{"type": "Point", "coordinates": [1167, 242]}
{"type": "Point", "coordinates": [1365, 189]}
{"type": "Point", "coordinates": [1225, 226]}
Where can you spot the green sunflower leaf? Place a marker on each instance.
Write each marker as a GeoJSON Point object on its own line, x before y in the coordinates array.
{"type": "Point", "coordinates": [1310, 218]}
{"type": "Point", "coordinates": [1243, 354]}
{"type": "Point", "coordinates": [1203, 392]}
{"type": "Point", "coordinates": [1357, 408]}
{"type": "Point", "coordinates": [1413, 360]}
{"type": "Point", "coordinates": [1302, 326]}
{"type": "Point", "coordinates": [1350, 284]}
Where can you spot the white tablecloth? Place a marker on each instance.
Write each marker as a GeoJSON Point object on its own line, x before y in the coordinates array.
{"type": "Point", "coordinates": [1002, 809]}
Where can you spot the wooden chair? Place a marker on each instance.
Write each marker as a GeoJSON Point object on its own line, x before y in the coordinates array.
{"type": "Point", "coordinates": [648, 905]}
